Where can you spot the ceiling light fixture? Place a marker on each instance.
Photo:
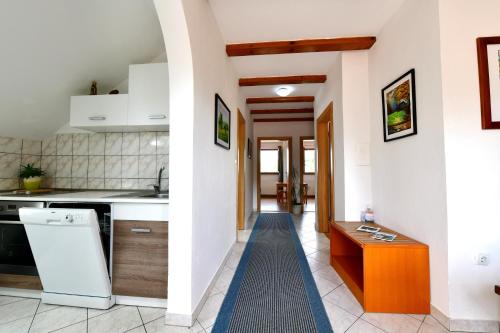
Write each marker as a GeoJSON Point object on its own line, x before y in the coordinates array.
{"type": "Point", "coordinates": [283, 91]}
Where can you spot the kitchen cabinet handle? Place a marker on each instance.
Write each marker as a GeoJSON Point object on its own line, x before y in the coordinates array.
{"type": "Point", "coordinates": [141, 230]}
{"type": "Point", "coordinates": [97, 118]}
{"type": "Point", "coordinates": [157, 116]}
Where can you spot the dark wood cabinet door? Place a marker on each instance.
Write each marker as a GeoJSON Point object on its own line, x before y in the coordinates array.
{"type": "Point", "coordinates": [140, 258]}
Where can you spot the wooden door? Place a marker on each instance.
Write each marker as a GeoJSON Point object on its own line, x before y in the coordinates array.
{"type": "Point", "coordinates": [325, 199]}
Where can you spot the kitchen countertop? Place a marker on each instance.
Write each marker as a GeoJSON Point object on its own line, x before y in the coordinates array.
{"type": "Point", "coordinates": [87, 196]}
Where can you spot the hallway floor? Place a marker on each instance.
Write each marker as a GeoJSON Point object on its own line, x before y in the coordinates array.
{"type": "Point", "coordinates": [22, 315]}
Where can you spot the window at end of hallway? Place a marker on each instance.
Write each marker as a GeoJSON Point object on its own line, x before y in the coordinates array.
{"type": "Point", "coordinates": [269, 161]}
{"type": "Point", "coordinates": [309, 161]}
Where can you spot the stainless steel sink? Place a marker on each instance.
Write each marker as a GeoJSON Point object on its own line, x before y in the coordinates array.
{"type": "Point", "coordinates": [156, 195]}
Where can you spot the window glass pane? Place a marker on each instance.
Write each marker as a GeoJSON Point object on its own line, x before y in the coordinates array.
{"type": "Point", "coordinates": [309, 161]}
{"type": "Point", "coordinates": [269, 161]}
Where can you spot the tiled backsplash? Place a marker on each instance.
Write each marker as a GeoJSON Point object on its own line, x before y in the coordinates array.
{"type": "Point", "coordinates": [13, 153]}
{"type": "Point", "coordinates": [89, 161]}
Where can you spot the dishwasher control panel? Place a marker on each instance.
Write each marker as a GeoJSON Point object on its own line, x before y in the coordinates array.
{"type": "Point", "coordinates": [58, 216]}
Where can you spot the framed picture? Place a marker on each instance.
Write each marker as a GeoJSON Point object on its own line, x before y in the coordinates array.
{"type": "Point", "coordinates": [399, 107]}
{"type": "Point", "coordinates": [249, 148]}
{"type": "Point", "coordinates": [222, 123]}
{"type": "Point", "coordinates": [488, 56]}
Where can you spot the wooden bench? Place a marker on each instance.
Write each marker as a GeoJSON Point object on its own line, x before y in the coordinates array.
{"type": "Point", "coordinates": [384, 276]}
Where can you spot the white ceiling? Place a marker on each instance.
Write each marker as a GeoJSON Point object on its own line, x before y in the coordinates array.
{"type": "Point", "coordinates": [243, 21]}
{"type": "Point", "coordinates": [53, 49]}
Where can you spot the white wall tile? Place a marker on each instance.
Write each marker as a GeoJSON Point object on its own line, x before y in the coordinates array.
{"type": "Point", "coordinates": [113, 144]}
{"type": "Point", "coordinates": [49, 146]}
{"type": "Point", "coordinates": [32, 147]}
{"type": "Point", "coordinates": [10, 145]}
{"type": "Point", "coordinates": [9, 165]}
{"type": "Point", "coordinates": [64, 166]}
{"type": "Point", "coordinates": [147, 143]}
{"type": "Point", "coordinates": [80, 166]}
{"type": "Point", "coordinates": [95, 183]}
{"type": "Point", "coordinates": [96, 167]}
{"type": "Point", "coordinates": [97, 143]}
{"type": "Point", "coordinates": [147, 166]}
{"type": "Point", "coordinates": [113, 184]}
{"type": "Point", "coordinates": [80, 144]}
{"type": "Point", "coordinates": [130, 167]}
{"type": "Point", "coordinates": [112, 167]}
{"type": "Point", "coordinates": [64, 144]}
{"type": "Point", "coordinates": [130, 144]}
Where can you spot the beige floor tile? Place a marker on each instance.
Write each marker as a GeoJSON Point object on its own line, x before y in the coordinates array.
{"type": "Point", "coordinates": [80, 327]}
{"type": "Point", "coordinates": [330, 274]}
{"type": "Point", "coordinates": [315, 265]}
{"type": "Point", "coordinates": [8, 300]}
{"type": "Point", "coordinates": [340, 319]}
{"type": "Point", "coordinates": [18, 326]}
{"type": "Point", "coordinates": [393, 323]}
{"type": "Point", "coordinates": [324, 286]}
{"type": "Point", "coordinates": [140, 329]}
{"type": "Point", "coordinates": [309, 250]}
{"type": "Point", "coordinates": [96, 312]}
{"type": "Point", "coordinates": [343, 297]}
{"type": "Point", "coordinates": [208, 313]}
{"type": "Point", "coordinates": [321, 257]}
{"type": "Point", "coordinates": [58, 318]}
{"type": "Point", "coordinates": [420, 317]}
{"type": "Point", "coordinates": [118, 321]}
{"type": "Point", "coordinates": [158, 326]}
{"type": "Point", "coordinates": [431, 325]}
{"type": "Point", "coordinates": [234, 259]}
{"type": "Point", "coordinates": [150, 314]}
{"type": "Point", "coordinates": [361, 326]}
{"type": "Point", "coordinates": [46, 307]}
{"type": "Point", "coordinates": [18, 310]}
{"type": "Point", "coordinates": [224, 280]}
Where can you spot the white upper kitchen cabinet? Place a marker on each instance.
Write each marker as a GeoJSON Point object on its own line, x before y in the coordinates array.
{"type": "Point", "coordinates": [99, 112]}
{"type": "Point", "coordinates": [148, 96]}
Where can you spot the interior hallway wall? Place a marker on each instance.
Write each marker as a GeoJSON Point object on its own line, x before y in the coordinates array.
{"type": "Point", "coordinates": [293, 129]}
{"type": "Point", "coordinates": [472, 162]}
{"type": "Point", "coordinates": [347, 87]}
{"type": "Point", "coordinates": [409, 188]}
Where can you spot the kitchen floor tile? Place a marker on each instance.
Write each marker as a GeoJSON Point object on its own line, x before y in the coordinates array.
{"type": "Point", "coordinates": [80, 327]}
{"type": "Point", "coordinates": [150, 314]}
{"type": "Point", "coordinates": [18, 326]}
{"type": "Point", "coordinates": [343, 297]}
{"type": "Point", "coordinates": [340, 319]}
{"type": "Point", "coordinates": [158, 326]}
{"type": "Point", "coordinates": [117, 321]}
{"type": "Point", "coordinates": [209, 312]}
{"type": "Point", "coordinates": [18, 310]}
{"type": "Point", "coordinates": [361, 326]}
{"type": "Point", "coordinates": [58, 318]}
{"type": "Point", "coordinates": [7, 300]}
{"type": "Point", "coordinates": [324, 286]}
{"type": "Point", "coordinates": [393, 323]}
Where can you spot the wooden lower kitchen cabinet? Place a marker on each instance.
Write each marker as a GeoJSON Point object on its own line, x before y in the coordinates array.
{"type": "Point", "coordinates": [391, 277]}
{"type": "Point", "coordinates": [140, 258]}
{"type": "Point", "coordinates": [20, 281]}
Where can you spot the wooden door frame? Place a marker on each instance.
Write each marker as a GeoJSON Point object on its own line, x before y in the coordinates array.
{"type": "Point", "coordinates": [323, 199]}
{"type": "Point", "coordinates": [290, 166]}
{"type": "Point", "coordinates": [302, 171]}
{"type": "Point", "coordinates": [240, 193]}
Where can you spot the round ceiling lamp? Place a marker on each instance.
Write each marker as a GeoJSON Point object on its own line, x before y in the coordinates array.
{"type": "Point", "coordinates": [283, 91]}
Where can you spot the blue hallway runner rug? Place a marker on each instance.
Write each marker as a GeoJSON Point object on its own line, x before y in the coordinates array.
{"type": "Point", "coordinates": [273, 289]}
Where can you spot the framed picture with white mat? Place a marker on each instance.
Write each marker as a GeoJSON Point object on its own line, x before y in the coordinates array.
{"type": "Point", "coordinates": [488, 55]}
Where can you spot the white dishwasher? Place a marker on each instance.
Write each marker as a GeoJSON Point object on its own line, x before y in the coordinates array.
{"type": "Point", "coordinates": [69, 256]}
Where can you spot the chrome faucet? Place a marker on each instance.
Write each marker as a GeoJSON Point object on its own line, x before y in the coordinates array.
{"type": "Point", "coordinates": [157, 186]}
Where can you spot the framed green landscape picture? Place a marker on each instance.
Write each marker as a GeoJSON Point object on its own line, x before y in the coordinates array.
{"type": "Point", "coordinates": [399, 107]}
{"type": "Point", "coordinates": [222, 123]}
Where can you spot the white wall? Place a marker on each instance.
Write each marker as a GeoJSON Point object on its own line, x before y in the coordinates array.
{"type": "Point", "coordinates": [332, 92]}
{"type": "Point", "coordinates": [293, 129]}
{"type": "Point", "coordinates": [215, 172]}
{"type": "Point", "coordinates": [472, 162]}
{"type": "Point", "coordinates": [409, 190]}
{"type": "Point", "coordinates": [203, 186]}
{"type": "Point", "coordinates": [347, 87]}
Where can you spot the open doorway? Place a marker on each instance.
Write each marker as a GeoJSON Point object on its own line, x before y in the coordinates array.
{"type": "Point", "coordinates": [274, 160]}
{"type": "Point", "coordinates": [308, 173]}
{"type": "Point", "coordinates": [325, 182]}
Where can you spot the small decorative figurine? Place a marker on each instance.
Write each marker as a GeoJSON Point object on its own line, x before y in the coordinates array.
{"type": "Point", "coordinates": [93, 88]}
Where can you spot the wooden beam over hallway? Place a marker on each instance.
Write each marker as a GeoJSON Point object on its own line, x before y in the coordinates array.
{"type": "Point", "coordinates": [281, 111]}
{"type": "Point", "coordinates": [273, 80]}
{"type": "Point", "coordinates": [300, 46]}
{"type": "Point", "coordinates": [292, 99]}
{"type": "Point", "coordinates": [281, 120]}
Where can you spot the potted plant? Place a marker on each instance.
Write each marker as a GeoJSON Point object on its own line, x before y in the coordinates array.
{"type": "Point", "coordinates": [296, 192]}
{"type": "Point", "coordinates": [31, 176]}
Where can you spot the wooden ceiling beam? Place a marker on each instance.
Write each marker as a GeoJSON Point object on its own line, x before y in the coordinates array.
{"type": "Point", "coordinates": [300, 46]}
{"type": "Point", "coordinates": [274, 80]}
{"type": "Point", "coordinates": [281, 111]}
{"type": "Point", "coordinates": [290, 99]}
{"type": "Point", "coordinates": [281, 120]}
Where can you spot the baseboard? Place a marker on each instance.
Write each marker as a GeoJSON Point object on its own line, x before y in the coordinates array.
{"type": "Point", "coordinates": [142, 301]}
{"type": "Point", "coordinates": [176, 319]}
{"type": "Point", "coordinates": [465, 325]}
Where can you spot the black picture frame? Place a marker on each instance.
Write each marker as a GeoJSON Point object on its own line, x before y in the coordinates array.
{"type": "Point", "coordinates": [249, 149]}
{"type": "Point", "coordinates": [222, 124]}
{"type": "Point", "coordinates": [403, 107]}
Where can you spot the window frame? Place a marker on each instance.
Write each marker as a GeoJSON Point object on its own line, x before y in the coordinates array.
{"type": "Point", "coordinates": [304, 166]}
{"type": "Point", "coordinates": [277, 159]}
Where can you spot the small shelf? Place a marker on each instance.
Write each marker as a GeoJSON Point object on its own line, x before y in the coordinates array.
{"type": "Point", "coordinates": [353, 267]}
